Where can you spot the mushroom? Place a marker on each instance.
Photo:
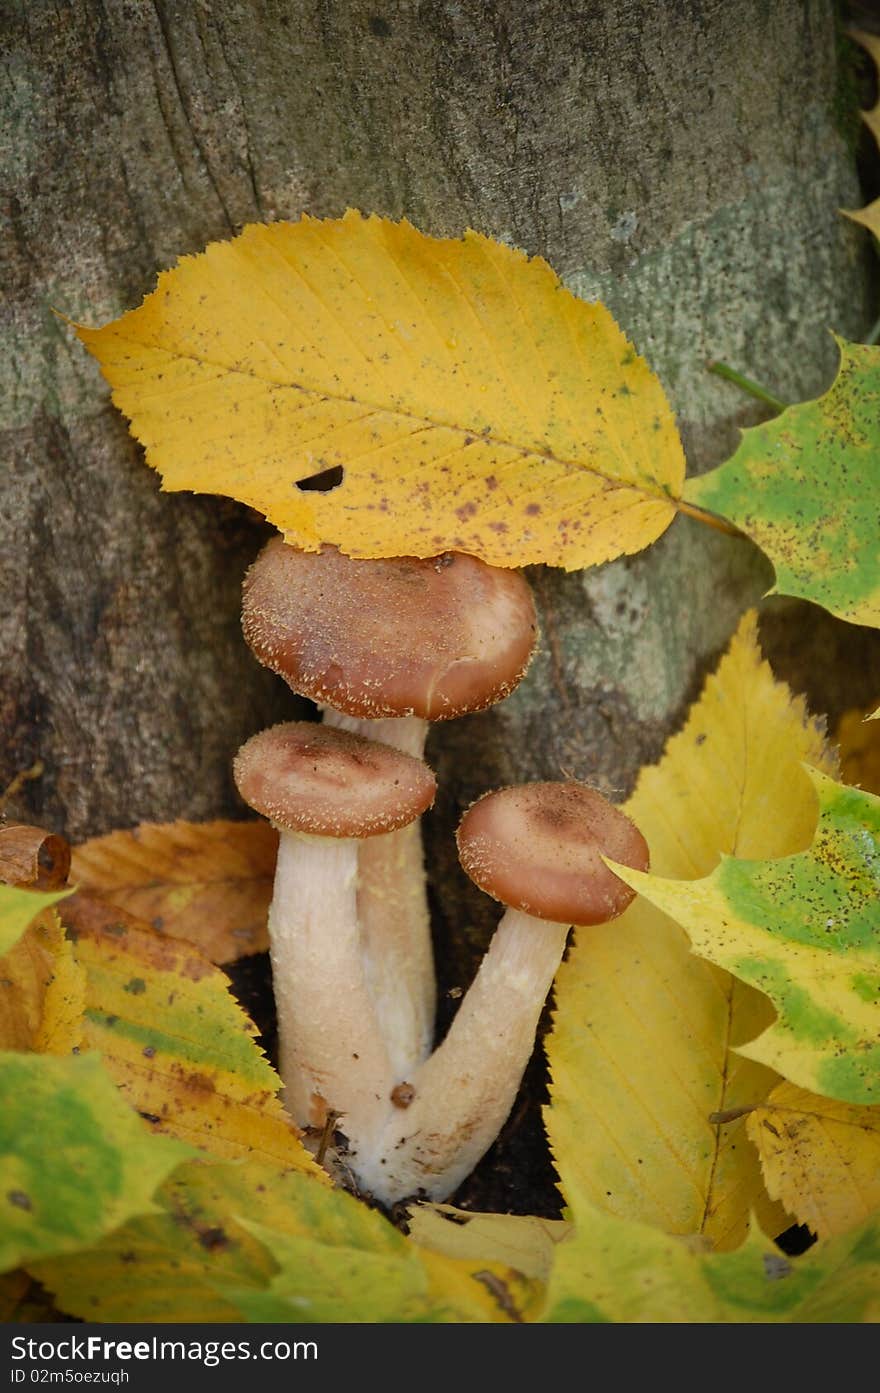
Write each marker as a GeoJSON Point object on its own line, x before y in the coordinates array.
{"type": "Point", "coordinates": [538, 849]}
{"type": "Point", "coordinates": [325, 790]}
{"type": "Point", "coordinates": [385, 646]}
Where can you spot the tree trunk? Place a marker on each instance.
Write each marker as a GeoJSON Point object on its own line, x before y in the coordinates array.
{"type": "Point", "coordinates": [681, 162]}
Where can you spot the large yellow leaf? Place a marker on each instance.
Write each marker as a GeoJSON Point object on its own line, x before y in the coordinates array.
{"type": "Point", "coordinates": [471, 402]}
{"type": "Point", "coordinates": [243, 1242]}
{"type": "Point", "coordinates": [175, 1040]}
{"type": "Point", "coordinates": [640, 1053]}
{"type": "Point", "coordinates": [821, 1158]}
{"type": "Point", "coordinates": [207, 882]}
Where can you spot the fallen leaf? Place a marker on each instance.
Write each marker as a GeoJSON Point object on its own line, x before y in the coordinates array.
{"type": "Point", "coordinates": [806, 488]}
{"type": "Point", "coordinates": [175, 1040]}
{"type": "Point", "coordinates": [640, 1051]}
{"type": "Point", "coordinates": [361, 383]}
{"type": "Point", "coordinates": [522, 1242]}
{"type": "Point", "coordinates": [207, 882]}
{"type": "Point", "coordinates": [611, 1269]}
{"type": "Point", "coordinates": [75, 1161]}
{"type": "Point", "coordinates": [803, 929]}
{"type": "Point", "coordinates": [821, 1158]}
{"type": "Point", "coordinates": [244, 1242]}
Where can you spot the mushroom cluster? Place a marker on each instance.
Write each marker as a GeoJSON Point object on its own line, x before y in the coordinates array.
{"type": "Point", "coordinates": [384, 647]}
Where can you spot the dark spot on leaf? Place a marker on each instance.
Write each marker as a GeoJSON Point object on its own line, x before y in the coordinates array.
{"type": "Point", "coordinates": [148, 1051]}
{"type": "Point", "coordinates": [212, 1239]}
{"type": "Point", "coordinates": [19, 1199]}
{"type": "Point", "coordinates": [137, 986]}
{"type": "Point", "coordinates": [324, 481]}
{"type": "Point", "coordinates": [149, 1116]}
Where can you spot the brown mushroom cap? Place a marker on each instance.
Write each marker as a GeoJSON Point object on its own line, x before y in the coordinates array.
{"type": "Point", "coordinates": [309, 777]}
{"type": "Point", "coordinates": [538, 848]}
{"type": "Point", "coordinates": [402, 637]}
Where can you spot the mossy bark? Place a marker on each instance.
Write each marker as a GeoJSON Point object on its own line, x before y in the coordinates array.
{"type": "Point", "coordinates": [682, 162]}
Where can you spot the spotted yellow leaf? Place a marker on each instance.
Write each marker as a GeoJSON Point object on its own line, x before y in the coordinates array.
{"type": "Point", "coordinates": [364, 384]}
{"type": "Point", "coordinates": [175, 1040]}
{"type": "Point", "coordinates": [234, 1242]}
{"type": "Point", "coordinates": [643, 1076]}
{"type": "Point", "coordinates": [820, 1157]}
{"type": "Point", "coordinates": [804, 929]}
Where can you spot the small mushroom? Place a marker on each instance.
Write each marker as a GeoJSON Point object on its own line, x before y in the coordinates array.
{"type": "Point", "coordinates": [538, 849]}
{"type": "Point", "coordinates": [385, 646]}
{"type": "Point", "coordinates": [326, 790]}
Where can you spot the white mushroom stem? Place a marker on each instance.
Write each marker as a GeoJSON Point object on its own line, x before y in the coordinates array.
{"type": "Point", "coordinates": [393, 911]}
{"type": "Point", "coordinates": [332, 1054]}
{"type": "Point", "coordinates": [465, 1090]}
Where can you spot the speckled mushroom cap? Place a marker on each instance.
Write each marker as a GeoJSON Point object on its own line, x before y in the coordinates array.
{"type": "Point", "coordinates": [538, 847]}
{"type": "Point", "coordinates": [308, 777]}
{"type": "Point", "coordinates": [401, 637]}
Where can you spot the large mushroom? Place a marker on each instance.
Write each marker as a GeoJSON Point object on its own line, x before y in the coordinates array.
{"type": "Point", "coordinates": [326, 790]}
{"type": "Point", "coordinates": [384, 647]}
{"type": "Point", "coordinates": [538, 849]}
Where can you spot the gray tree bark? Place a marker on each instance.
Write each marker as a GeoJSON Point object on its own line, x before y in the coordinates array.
{"type": "Point", "coordinates": [682, 162]}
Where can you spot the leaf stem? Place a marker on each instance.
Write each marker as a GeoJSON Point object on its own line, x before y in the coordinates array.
{"type": "Point", "coordinates": [711, 519]}
{"type": "Point", "coordinates": [746, 384]}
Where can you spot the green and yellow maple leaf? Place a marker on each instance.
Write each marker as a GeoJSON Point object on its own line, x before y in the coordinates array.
{"type": "Point", "coordinates": [806, 487]}
{"type": "Point", "coordinates": [466, 399]}
{"type": "Point", "coordinates": [804, 930]}
{"type": "Point", "coordinates": [640, 1052]}
{"type": "Point", "coordinates": [75, 1160]}
{"type": "Point", "coordinates": [611, 1269]}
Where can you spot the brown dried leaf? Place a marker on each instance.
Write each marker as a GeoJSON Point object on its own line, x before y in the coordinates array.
{"type": "Point", "coordinates": [207, 882]}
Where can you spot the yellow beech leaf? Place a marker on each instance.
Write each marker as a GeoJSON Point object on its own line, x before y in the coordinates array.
{"type": "Point", "coordinates": [240, 1242]}
{"type": "Point", "coordinates": [643, 1075]}
{"type": "Point", "coordinates": [175, 1040]}
{"type": "Point", "coordinates": [820, 1157]}
{"type": "Point", "coordinates": [42, 990]}
{"type": "Point", "coordinates": [207, 882]}
{"type": "Point", "coordinates": [523, 1242]}
{"type": "Point", "coordinates": [364, 384]}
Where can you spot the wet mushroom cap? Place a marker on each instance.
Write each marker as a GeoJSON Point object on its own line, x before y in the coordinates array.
{"type": "Point", "coordinates": [378, 638]}
{"type": "Point", "coordinates": [308, 777]}
{"type": "Point", "coordinates": [538, 848]}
